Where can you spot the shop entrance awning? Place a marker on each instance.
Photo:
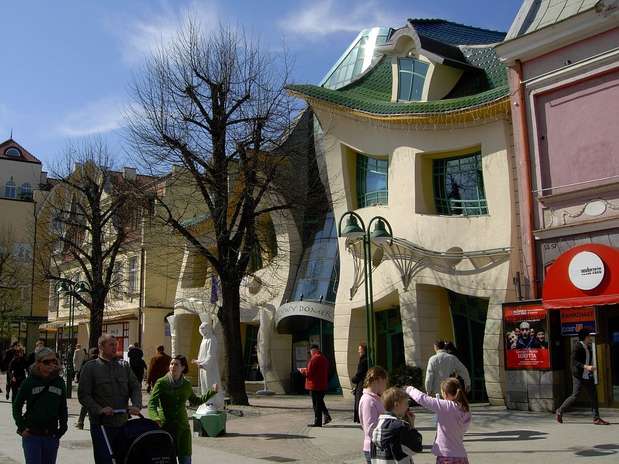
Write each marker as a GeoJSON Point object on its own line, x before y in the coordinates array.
{"type": "Point", "coordinates": [586, 275]}
{"type": "Point", "coordinates": [286, 313]}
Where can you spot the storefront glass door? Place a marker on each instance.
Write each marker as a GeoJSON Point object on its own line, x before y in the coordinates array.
{"type": "Point", "coordinates": [389, 339]}
{"type": "Point", "coordinates": [613, 343]}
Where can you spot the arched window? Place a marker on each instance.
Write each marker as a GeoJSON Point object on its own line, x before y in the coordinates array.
{"type": "Point", "coordinates": [25, 191]}
{"type": "Point", "coordinates": [12, 152]}
{"type": "Point", "coordinates": [10, 191]}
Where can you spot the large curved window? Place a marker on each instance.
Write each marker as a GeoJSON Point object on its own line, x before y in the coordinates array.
{"type": "Point", "coordinates": [317, 276]}
{"type": "Point", "coordinates": [372, 181]}
{"type": "Point", "coordinates": [459, 186]}
{"type": "Point", "coordinates": [411, 77]}
{"type": "Point", "coordinates": [10, 190]}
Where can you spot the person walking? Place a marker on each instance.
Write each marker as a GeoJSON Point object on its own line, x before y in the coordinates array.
{"type": "Point", "coordinates": [45, 421]}
{"type": "Point", "coordinates": [371, 406]}
{"type": "Point", "coordinates": [168, 405]}
{"type": "Point", "coordinates": [582, 378]}
{"type": "Point", "coordinates": [18, 370]}
{"type": "Point", "coordinates": [317, 381]}
{"type": "Point", "coordinates": [359, 378]}
{"type": "Point", "coordinates": [9, 354]}
{"type": "Point", "coordinates": [157, 367]}
{"type": "Point", "coordinates": [39, 344]}
{"type": "Point", "coordinates": [136, 361]}
{"type": "Point", "coordinates": [106, 386]}
{"type": "Point", "coordinates": [79, 356]}
{"type": "Point", "coordinates": [453, 420]}
{"type": "Point", "coordinates": [443, 365]}
{"type": "Point", "coordinates": [93, 354]}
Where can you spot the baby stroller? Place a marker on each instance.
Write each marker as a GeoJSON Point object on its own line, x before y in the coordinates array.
{"type": "Point", "coordinates": [141, 441]}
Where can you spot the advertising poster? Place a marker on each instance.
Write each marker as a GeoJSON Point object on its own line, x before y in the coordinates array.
{"type": "Point", "coordinates": [526, 337]}
{"type": "Point", "coordinates": [575, 319]}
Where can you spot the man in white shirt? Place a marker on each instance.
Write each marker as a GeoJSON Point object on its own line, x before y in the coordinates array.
{"type": "Point", "coordinates": [79, 356]}
{"type": "Point", "coordinates": [442, 366]}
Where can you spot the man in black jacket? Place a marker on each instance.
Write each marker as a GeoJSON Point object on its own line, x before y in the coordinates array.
{"type": "Point", "coordinates": [582, 377]}
{"type": "Point", "coordinates": [359, 378]}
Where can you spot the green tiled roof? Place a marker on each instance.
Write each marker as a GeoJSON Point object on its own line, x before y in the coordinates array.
{"type": "Point", "coordinates": [371, 93]}
{"type": "Point", "coordinates": [454, 33]}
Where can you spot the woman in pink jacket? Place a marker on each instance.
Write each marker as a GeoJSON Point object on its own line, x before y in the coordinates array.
{"type": "Point", "coordinates": [371, 406]}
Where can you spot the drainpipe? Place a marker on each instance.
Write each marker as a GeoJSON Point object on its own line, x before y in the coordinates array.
{"type": "Point", "coordinates": [141, 297]}
{"type": "Point", "coordinates": [528, 218]}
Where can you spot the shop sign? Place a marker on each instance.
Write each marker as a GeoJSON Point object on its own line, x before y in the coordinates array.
{"type": "Point", "coordinates": [304, 308]}
{"type": "Point", "coordinates": [586, 270]}
{"type": "Point", "coordinates": [526, 337]}
{"type": "Point", "coordinates": [575, 319]}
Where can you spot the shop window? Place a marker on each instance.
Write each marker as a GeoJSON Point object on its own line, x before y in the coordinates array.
{"type": "Point", "coordinates": [459, 186]}
{"type": "Point", "coordinates": [252, 368]}
{"type": "Point", "coordinates": [10, 190]}
{"type": "Point", "coordinates": [372, 181]}
{"type": "Point", "coordinates": [389, 339]}
{"type": "Point", "coordinates": [411, 77]}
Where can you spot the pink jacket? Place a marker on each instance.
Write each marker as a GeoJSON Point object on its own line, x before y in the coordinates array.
{"type": "Point", "coordinates": [453, 422]}
{"type": "Point", "coordinates": [370, 407]}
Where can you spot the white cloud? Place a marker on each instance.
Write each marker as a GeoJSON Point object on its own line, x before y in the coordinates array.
{"type": "Point", "coordinates": [321, 18]}
{"type": "Point", "coordinates": [142, 36]}
{"type": "Point", "coordinates": [96, 117]}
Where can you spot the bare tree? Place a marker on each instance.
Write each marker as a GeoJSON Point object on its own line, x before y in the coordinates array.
{"type": "Point", "coordinates": [14, 276]}
{"type": "Point", "coordinates": [87, 218]}
{"type": "Point", "coordinates": [215, 105]}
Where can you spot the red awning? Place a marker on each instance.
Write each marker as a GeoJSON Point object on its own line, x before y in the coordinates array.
{"type": "Point", "coordinates": [560, 291]}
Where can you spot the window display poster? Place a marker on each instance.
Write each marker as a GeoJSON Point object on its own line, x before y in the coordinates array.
{"type": "Point", "coordinates": [573, 320]}
{"type": "Point", "coordinates": [526, 337]}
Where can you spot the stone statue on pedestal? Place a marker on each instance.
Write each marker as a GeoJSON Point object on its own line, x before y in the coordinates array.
{"type": "Point", "coordinates": [209, 368]}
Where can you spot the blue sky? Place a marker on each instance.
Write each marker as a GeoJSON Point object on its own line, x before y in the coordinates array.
{"type": "Point", "coordinates": [67, 65]}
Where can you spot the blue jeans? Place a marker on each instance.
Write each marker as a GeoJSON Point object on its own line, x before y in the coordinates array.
{"type": "Point", "coordinates": [40, 450]}
{"type": "Point", "coordinates": [184, 460]}
{"type": "Point", "coordinates": [99, 446]}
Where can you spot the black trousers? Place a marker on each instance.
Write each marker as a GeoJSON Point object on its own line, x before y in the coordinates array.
{"type": "Point", "coordinates": [589, 386]}
{"type": "Point", "coordinates": [318, 403]}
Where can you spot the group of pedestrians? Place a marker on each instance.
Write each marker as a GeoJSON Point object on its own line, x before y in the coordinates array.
{"type": "Point", "coordinates": [16, 364]}
{"type": "Point", "coordinates": [109, 392]}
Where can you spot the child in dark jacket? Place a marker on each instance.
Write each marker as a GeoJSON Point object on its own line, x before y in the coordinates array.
{"type": "Point", "coordinates": [395, 439]}
{"type": "Point", "coordinates": [45, 420]}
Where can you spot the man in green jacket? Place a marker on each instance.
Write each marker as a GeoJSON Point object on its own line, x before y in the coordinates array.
{"type": "Point", "coordinates": [106, 386]}
{"type": "Point", "coordinates": [45, 420]}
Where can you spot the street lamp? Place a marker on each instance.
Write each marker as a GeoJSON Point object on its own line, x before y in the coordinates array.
{"type": "Point", "coordinates": [71, 289]}
{"type": "Point", "coordinates": [355, 229]}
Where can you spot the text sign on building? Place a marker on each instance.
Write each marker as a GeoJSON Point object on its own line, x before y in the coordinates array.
{"type": "Point", "coordinates": [304, 308]}
{"type": "Point", "coordinates": [586, 270]}
{"type": "Point", "coordinates": [525, 329]}
{"type": "Point", "coordinates": [575, 319]}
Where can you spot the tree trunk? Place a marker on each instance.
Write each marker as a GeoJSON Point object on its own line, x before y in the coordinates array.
{"type": "Point", "coordinates": [230, 318]}
{"type": "Point", "coordinates": [96, 323]}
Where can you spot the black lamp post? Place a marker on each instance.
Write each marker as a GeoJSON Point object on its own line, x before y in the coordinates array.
{"type": "Point", "coordinates": [382, 231]}
{"type": "Point", "coordinates": [71, 289]}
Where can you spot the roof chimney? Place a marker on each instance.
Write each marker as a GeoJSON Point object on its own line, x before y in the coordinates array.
{"type": "Point", "coordinates": [129, 173]}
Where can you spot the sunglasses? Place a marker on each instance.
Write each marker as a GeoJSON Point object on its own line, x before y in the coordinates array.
{"type": "Point", "coordinates": [49, 362]}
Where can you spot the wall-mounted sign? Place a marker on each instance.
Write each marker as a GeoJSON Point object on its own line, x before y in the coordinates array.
{"type": "Point", "coordinates": [586, 270]}
{"type": "Point", "coordinates": [526, 337]}
{"type": "Point", "coordinates": [575, 319]}
{"type": "Point", "coordinates": [304, 308]}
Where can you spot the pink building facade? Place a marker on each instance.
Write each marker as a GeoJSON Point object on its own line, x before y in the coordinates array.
{"type": "Point", "coordinates": [563, 60]}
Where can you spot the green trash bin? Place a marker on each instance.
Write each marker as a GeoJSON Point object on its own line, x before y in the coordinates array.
{"type": "Point", "coordinates": [209, 425]}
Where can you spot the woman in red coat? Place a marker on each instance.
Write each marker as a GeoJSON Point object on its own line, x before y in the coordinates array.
{"type": "Point", "coordinates": [317, 382]}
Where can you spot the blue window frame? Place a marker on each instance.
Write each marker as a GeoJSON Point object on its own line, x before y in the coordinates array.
{"type": "Point", "coordinates": [459, 186]}
{"type": "Point", "coordinates": [372, 181]}
{"type": "Point", "coordinates": [411, 77]}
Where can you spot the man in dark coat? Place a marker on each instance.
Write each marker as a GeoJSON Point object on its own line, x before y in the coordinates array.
{"type": "Point", "coordinates": [317, 382]}
{"type": "Point", "coordinates": [136, 361]}
{"type": "Point", "coordinates": [582, 377]}
{"type": "Point", "coordinates": [358, 379]}
{"type": "Point", "coordinates": [158, 367]}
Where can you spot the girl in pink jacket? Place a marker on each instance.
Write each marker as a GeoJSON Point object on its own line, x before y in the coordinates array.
{"type": "Point", "coordinates": [371, 406]}
{"type": "Point", "coordinates": [453, 417]}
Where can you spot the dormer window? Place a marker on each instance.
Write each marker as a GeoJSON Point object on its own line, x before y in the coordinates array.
{"type": "Point", "coordinates": [12, 152]}
{"type": "Point", "coordinates": [411, 78]}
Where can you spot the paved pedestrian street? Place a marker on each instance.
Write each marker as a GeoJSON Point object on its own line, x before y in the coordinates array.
{"type": "Point", "coordinates": [275, 430]}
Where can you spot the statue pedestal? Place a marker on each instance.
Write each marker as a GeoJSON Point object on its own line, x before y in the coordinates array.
{"type": "Point", "coordinates": [209, 425]}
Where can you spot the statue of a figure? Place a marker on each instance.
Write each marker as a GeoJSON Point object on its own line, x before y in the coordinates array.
{"type": "Point", "coordinates": [265, 332]}
{"type": "Point", "coordinates": [209, 368]}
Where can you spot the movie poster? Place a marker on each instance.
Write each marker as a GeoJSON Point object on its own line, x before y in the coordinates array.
{"type": "Point", "coordinates": [526, 337]}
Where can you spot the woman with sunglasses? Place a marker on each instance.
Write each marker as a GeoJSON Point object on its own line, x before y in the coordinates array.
{"type": "Point", "coordinates": [168, 405]}
{"type": "Point", "coordinates": [45, 395]}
